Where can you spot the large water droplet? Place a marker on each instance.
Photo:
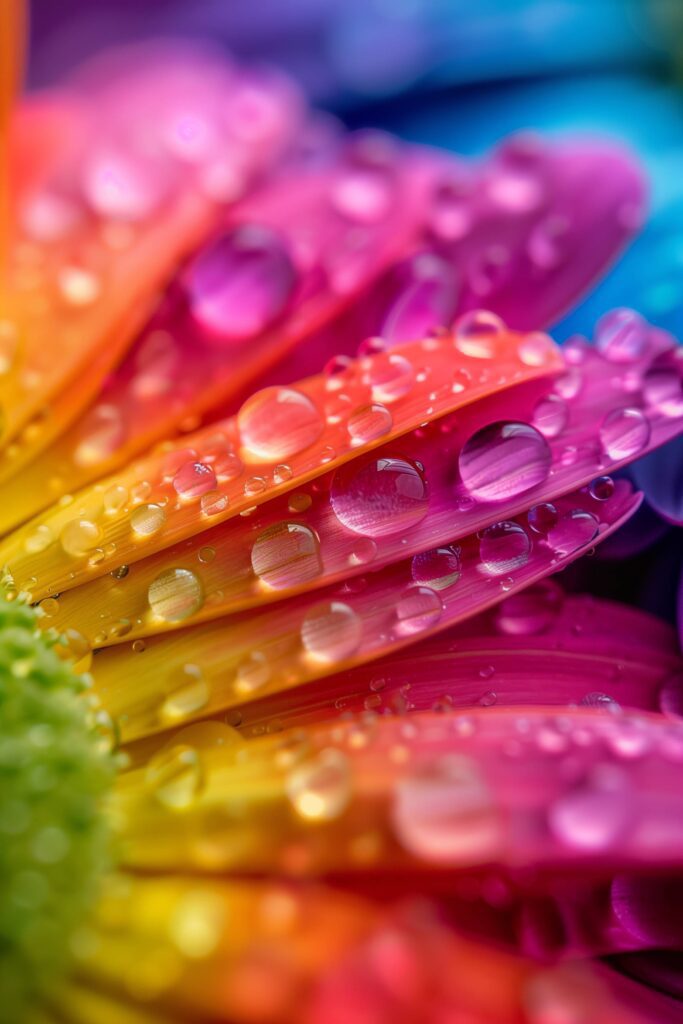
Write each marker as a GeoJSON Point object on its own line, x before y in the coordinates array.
{"type": "Point", "coordinates": [194, 479]}
{"type": "Point", "coordinates": [79, 536]}
{"type": "Point", "coordinates": [279, 422]}
{"type": "Point", "coordinates": [320, 789]}
{"type": "Point", "coordinates": [503, 460]}
{"type": "Point", "coordinates": [331, 631]}
{"type": "Point", "coordinates": [572, 531]}
{"type": "Point", "coordinates": [417, 609]}
{"type": "Point", "coordinates": [477, 334]}
{"type": "Point", "coordinates": [175, 594]}
{"type": "Point", "coordinates": [503, 548]}
{"type": "Point", "coordinates": [241, 283]}
{"type": "Point", "coordinates": [379, 497]}
{"type": "Point", "coordinates": [438, 568]}
{"type": "Point", "coordinates": [286, 555]}
{"type": "Point", "coordinates": [624, 433]}
{"type": "Point", "coordinates": [444, 812]}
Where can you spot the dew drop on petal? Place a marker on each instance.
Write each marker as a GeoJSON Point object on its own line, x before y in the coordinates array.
{"type": "Point", "coordinates": [444, 812]}
{"type": "Point", "coordinates": [80, 536]}
{"type": "Point", "coordinates": [590, 818]}
{"type": "Point", "coordinates": [389, 377]}
{"type": "Point", "coordinates": [175, 777]}
{"type": "Point", "coordinates": [536, 349]}
{"type": "Point", "coordinates": [213, 503]}
{"type": "Point", "coordinates": [240, 284]}
{"type": "Point", "coordinates": [663, 391]}
{"type": "Point", "coordinates": [504, 547]}
{"type": "Point", "coordinates": [601, 488]}
{"type": "Point", "coordinates": [477, 334]}
{"type": "Point", "coordinates": [439, 568]}
{"type": "Point", "coordinates": [369, 423]}
{"type": "Point", "coordinates": [670, 695]}
{"type": "Point", "coordinates": [572, 531]}
{"type": "Point", "coordinates": [194, 479]}
{"type": "Point", "coordinates": [622, 336]}
{"type": "Point", "coordinates": [379, 497]}
{"type": "Point", "coordinates": [550, 415]}
{"type": "Point", "coordinates": [542, 517]}
{"type": "Point", "coordinates": [278, 422]}
{"type": "Point", "coordinates": [146, 520]}
{"type": "Point", "coordinates": [417, 609]}
{"type": "Point", "coordinates": [331, 631]}
{"type": "Point", "coordinates": [624, 433]}
{"type": "Point", "coordinates": [175, 594]}
{"type": "Point", "coordinates": [320, 789]}
{"type": "Point", "coordinates": [503, 460]}
{"type": "Point", "coordinates": [286, 555]}
{"type": "Point", "coordinates": [188, 693]}
{"type": "Point", "coordinates": [252, 673]}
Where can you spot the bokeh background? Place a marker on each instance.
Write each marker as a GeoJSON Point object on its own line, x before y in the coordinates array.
{"type": "Point", "coordinates": [460, 74]}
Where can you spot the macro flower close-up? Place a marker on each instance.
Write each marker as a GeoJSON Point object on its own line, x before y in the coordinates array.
{"type": "Point", "coordinates": [341, 484]}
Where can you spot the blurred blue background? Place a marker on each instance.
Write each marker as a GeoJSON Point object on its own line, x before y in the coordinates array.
{"type": "Point", "coordinates": [456, 73]}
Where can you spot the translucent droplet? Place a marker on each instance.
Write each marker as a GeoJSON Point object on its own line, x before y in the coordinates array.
{"type": "Point", "coordinates": [49, 607]}
{"type": "Point", "coordinates": [331, 631]}
{"type": "Point", "coordinates": [147, 520]}
{"type": "Point", "coordinates": [600, 701]}
{"type": "Point", "coordinates": [364, 551]}
{"type": "Point", "coordinates": [390, 377]}
{"type": "Point", "coordinates": [590, 818]}
{"type": "Point", "coordinates": [175, 594]}
{"type": "Point", "coordinates": [542, 517]}
{"type": "Point", "coordinates": [438, 568]}
{"type": "Point", "coordinates": [175, 777]}
{"type": "Point", "coordinates": [503, 460]}
{"type": "Point", "coordinates": [550, 415]}
{"type": "Point", "coordinates": [602, 488]}
{"type": "Point", "coordinates": [477, 334]}
{"type": "Point", "coordinates": [536, 349]}
{"type": "Point", "coordinates": [426, 292]}
{"type": "Point", "coordinates": [320, 789]}
{"type": "Point", "coordinates": [445, 813]}
{"type": "Point", "coordinates": [189, 693]}
{"type": "Point", "coordinates": [572, 531]}
{"type": "Point", "coordinates": [79, 536]}
{"type": "Point", "coordinates": [252, 674]}
{"type": "Point", "coordinates": [286, 555]}
{"type": "Point", "coordinates": [299, 502]}
{"type": "Point", "coordinates": [503, 548]}
{"type": "Point", "coordinates": [417, 609]}
{"type": "Point", "coordinates": [39, 540]}
{"type": "Point", "coordinates": [194, 479]}
{"type": "Point", "coordinates": [213, 503]}
{"type": "Point", "coordinates": [663, 391]}
{"type": "Point", "coordinates": [279, 422]}
{"type": "Point", "coordinates": [379, 497]}
{"type": "Point", "coordinates": [241, 283]}
{"type": "Point", "coordinates": [206, 554]}
{"type": "Point", "coordinates": [622, 336]}
{"type": "Point", "coordinates": [369, 423]}
{"type": "Point", "coordinates": [569, 384]}
{"type": "Point", "coordinates": [624, 433]}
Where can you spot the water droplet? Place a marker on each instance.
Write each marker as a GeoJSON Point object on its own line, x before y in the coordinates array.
{"type": "Point", "coordinates": [569, 384]}
{"type": "Point", "coordinates": [252, 674]}
{"type": "Point", "coordinates": [663, 391]}
{"type": "Point", "coordinates": [278, 422]}
{"type": "Point", "coordinates": [114, 499]}
{"type": "Point", "coordinates": [299, 502]}
{"type": "Point", "coordinates": [78, 286]}
{"type": "Point", "coordinates": [417, 609]}
{"type": "Point", "coordinates": [671, 695]}
{"type": "Point", "coordinates": [600, 701]}
{"type": "Point", "coordinates": [477, 334]}
{"type": "Point", "coordinates": [379, 497]}
{"type": "Point", "coordinates": [206, 554]}
{"type": "Point", "coordinates": [39, 540]}
{"type": "Point", "coordinates": [363, 194]}
{"type": "Point", "coordinates": [444, 812]}
{"type": "Point", "coordinates": [622, 336]}
{"type": "Point", "coordinates": [504, 547]}
{"type": "Point", "coordinates": [119, 187]}
{"type": "Point", "coordinates": [369, 423]}
{"type": "Point", "coordinates": [175, 594]}
{"type": "Point", "coordinates": [572, 531]}
{"type": "Point", "coordinates": [147, 520]}
{"type": "Point", "coordinates": [49, 607]}
{"type": "Point", "coordinates": [550, 415]}
{"type": "Point", "coordinates": [590, 818]}
{"type": "Point", "coordinates": [364, 551]}
{"type": "Point", "coordinates": [331, 631]}
{"type": "Point", "coordinates": [240, 283]}
{"type": "Point", "coordinates": [536, 349]}
{"type": "Point", "coordinates": [542, 517]}
{"type": "Point", "coordinates": [175, 777]}
{"type": "Point", "coordinates": [438, 568]}
{"type": "Point", "coordinates": [425, 296]}
{"type": "Point", "coordinates": [389, 377]}
{"type": "Point", "coordinates": [282, 473]}
{"type": "Point", "coordinates": [320, 789]}
{"type": "Point", "coordinates": [120, 572]}
{"type": "Point", "coordinates": [255, 485]}
{"type": "Point", "coordinates": [286, 555]}
{"type": "Point", "coordinates": [189, 693]}
{"type": "Point", "coordinates": [213, 503]}
{"type": "Point", "coordinates": [624, 433]}
{"type": "Point", "coordinates": [602, 488]}
{"type": "Point", "coordinates": [194, 479]}
{"type": "Point", "coordinates": [488, 699]}
{"type": "Point", "coordinates": [79, 536]}
{"type": "Point", "coordinates": [503, 460]}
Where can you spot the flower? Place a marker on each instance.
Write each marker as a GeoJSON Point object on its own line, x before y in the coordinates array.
{"type": "Point", "coordinates": [370, 757]}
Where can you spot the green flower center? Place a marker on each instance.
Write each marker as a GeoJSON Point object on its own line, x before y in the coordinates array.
{"type": "Point", "coordinates": [54, 772]}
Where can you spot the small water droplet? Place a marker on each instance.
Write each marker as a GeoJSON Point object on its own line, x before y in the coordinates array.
{"type": "Point", "coordinates": [503, 460]}
{"type": "Point", "coordinates": [389, 377]}
{"type": "Point", "coordinates": [189, 693]}
{"type": "Point", "coordinates": [194, 479]}
{"type": "Point", "coordinates": [536, 349]}
{"type": "Point", "coordinates": [252, 673]}
{"type": "Point", "coordinates": [331, 631]}
{"type": "Point", "coordinates": [175, 777]}
{"type": "Point", "coordinates": [477, 334]}
{"type": "Point", "coordinates": [590, 818]}
{"type": "Point", "coordinates": [278, 422]}
{"type": "Point", "coordinates": [364, 551]}
{"type": "Point", "coordinates": [175, 594]}
{"type": "Point", "coordinates": [369, 423]}
{"type": "Point", "coordinates": [439, 568]}
{"type": "Point", "coordinates": [622, 336]}
{"type": "Point", "coordinates": [79, 536]}
{"type": "Point", "coordinates": [213, 503]}
{"type": "Point", "coordinates": [504, 547]}
{"type": "Point", "coordinates": [206, 554]}
{"type": "Point", "coordinates": [417, 609]}
{"type": "Point", "coordinates": [572, 531]}
{"type": "Point", "coordinates": [550, 415]}
{"type": "Point", "coordinates": [286, 555]}
{"type": "Point", "coordinates": [624, 433]}
{"type": "Point", "coordinates": [663, 391]}
{"type": "Point", "coordinates": [602, 488]}
{"type": "Point", "coordinates": [380, 496]}
{"type": "Point", "coordinates": [320, 789]}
